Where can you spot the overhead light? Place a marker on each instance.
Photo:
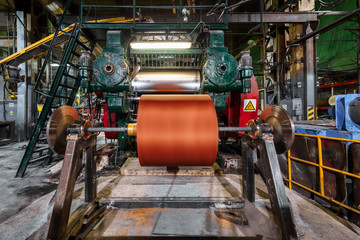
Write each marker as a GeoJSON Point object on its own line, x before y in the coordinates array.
{"type": "Point", "coordinates": [57, 65]}
{"type": "Point", "coordinates": [160, 45]}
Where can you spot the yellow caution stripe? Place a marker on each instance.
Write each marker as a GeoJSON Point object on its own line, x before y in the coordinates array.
{"type": "Point", "coordinates": [310, 113]}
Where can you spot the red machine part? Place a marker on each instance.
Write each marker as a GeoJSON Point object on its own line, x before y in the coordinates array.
{"type": "Point", "coordinates": [242, 107]}
{"type": "Point", "coordinates": [109, 121]}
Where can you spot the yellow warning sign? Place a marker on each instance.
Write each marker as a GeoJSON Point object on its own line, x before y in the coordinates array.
{"type": "Point", "coordinates": [11, 113]}
{"type": "Point", "coordinates": [249, 105]}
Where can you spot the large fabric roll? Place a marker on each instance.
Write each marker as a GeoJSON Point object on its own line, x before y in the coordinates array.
{"type": "Point", "coordinates": [177, 130]}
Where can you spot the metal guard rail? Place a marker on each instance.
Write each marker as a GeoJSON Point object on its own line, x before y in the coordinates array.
{"type": "Point", "coordinates": [321, 170]}
{"type": "Point", "coordinates": [134, 7]}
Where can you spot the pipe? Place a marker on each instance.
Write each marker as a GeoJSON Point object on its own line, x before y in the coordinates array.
{"type": "Point", "coordinates": [124, 129]}
{"type": "Point", "coordinates": [235, 129]}
{"type": "Point", "coordinates": [332, 25]}
{"type": "Point", "coordinates": [107, 129]}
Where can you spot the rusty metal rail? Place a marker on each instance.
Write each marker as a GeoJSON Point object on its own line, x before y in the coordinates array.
{"type": "Point", "coordinates": [321, 168]}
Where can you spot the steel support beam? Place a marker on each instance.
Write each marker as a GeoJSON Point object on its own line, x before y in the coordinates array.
{"type": "Point", "coordinates": [310, 75]}
{"type": "Point", "coordinates": [248, 177]}
{"type": "Point", "coordinates": [332, 25]}
{"type": "Point", "coordinates": [279, 17]}
{"type": "Point", "coordinates": [63, 198]}
{"type": "Point", "coordinates": [271, 173]}
{"type": "Point", "coordinates": [358, 47]}
{"type": "Point", "coordinates": [90, 174]}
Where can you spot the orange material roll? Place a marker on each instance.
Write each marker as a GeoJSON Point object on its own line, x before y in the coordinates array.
{"type": "Point", "coordinates": [177, 130]}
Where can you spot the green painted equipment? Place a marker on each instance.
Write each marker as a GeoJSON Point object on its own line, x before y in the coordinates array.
{"type": "Point", "coordinates": [122, 73]}
{"type": "Point", "coordinates": [125, 71]}
{"type": "Point", "coordinates": [110, 69]}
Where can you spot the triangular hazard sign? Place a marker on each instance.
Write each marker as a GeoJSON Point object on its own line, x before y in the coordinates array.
{"type": "Point", "coordinates": [250, 106]}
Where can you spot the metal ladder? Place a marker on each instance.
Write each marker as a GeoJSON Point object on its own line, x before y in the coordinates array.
{"type": "Point", "coordinates": [63, 90]}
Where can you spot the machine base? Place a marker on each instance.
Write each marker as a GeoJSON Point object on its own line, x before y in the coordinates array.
{"type": "Point", "coordinates": [132, 167]}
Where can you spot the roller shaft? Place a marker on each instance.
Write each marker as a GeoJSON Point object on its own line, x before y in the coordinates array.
{"type": "Point", "coordinates": [107, 129]}
{"type": "Point", "coordinates": [234, 129]}
{"type": "Point", "coordinates": [124, 129]}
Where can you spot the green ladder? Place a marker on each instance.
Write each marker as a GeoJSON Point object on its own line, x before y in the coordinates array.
{"type": "Point", "coordinates": [63, 90]}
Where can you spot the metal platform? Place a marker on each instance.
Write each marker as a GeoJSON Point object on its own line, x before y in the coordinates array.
{"type": "Point", "coordinates": [177, 205]}
{"type": "Point", "coordinates": [326, 129]}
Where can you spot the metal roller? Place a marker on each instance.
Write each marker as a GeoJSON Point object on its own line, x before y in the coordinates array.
{"type": "Point", "coordinates": [166, 81]}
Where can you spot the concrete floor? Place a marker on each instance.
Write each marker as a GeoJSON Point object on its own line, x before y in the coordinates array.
{"type": "Point", "coordinates": [26, 205]}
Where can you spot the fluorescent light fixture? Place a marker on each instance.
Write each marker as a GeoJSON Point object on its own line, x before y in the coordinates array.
{"type": "Point", "coordinates": [160, 45]}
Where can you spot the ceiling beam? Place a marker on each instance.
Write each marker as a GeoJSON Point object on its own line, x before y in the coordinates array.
{"type": "Point", "coordinates": [279, 17]}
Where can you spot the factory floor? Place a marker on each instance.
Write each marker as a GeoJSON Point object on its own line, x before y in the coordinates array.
{"type": "Point", "coordinates": [26, 205]}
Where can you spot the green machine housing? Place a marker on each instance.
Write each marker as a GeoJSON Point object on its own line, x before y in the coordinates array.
{"type": "Point", "coordinates": [113, 75]}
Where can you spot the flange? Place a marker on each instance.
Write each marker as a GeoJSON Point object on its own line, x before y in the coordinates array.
{"type": "Point", "coordinates": [57, 126]}
{"type": "Point", "coordinates": [283, 127]}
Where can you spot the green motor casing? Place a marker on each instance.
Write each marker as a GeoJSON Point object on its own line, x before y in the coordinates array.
{"type": "Point", "coordinates": [221, 69]}
{"type": "Point", "coordinates": [111, 69]}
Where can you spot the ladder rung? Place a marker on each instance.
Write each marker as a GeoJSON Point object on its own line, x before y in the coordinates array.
{"type": "Point", "coordinates": [32, 160]}
{"type": "Point", "coordinates": [40, 149]}
{"type": "Point", "coordinates": [59, 63]}
{"type": "Point", "coordinates": [73, 65]}
{"type": "Point", "coordinates": [66, 86]}
{"type": "Point", "coordinates": [71, 76]}
{"type": "Point", "coordinates": [65, 33]}
{"type": "Point", "coordinates": [83, 45]}
{"type": "Point", "coordinates": [40, 145]}
{"type": "Point", "coordinates": [42, 139]}
{"type": "Point", "coordinates": [61, 96]}
{"type": "Point", "coordinates": [45, 46]}
{"type": "Point", "coordinates": [42, 93]}
{"type": "Point", "coordinates": [75, 53]}
{"type": "Point", "coordinates": [53, 61]}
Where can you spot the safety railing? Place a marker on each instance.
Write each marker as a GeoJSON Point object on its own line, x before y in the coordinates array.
{"type": "Point", "coordinates": [321, 169]}
{"type": "Point", "coordinates": [186, 15]}
{"type": "Point", "coordinates": [168, 61]}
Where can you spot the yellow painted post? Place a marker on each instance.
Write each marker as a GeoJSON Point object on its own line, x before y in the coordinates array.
{"type": "Point", "coordinates": [289, 170]}
{"type": "Point", "coordinates": [321, 170]}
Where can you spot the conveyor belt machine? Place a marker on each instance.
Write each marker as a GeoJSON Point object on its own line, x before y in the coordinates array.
{"type": "Point", "coordinates": [176, 94]}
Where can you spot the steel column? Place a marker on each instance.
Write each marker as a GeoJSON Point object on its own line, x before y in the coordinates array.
{"type": "Point", "coordinates": [358, 47]}
{"type": "Point", "coordinates": [63, 198]}
{"type": "Point", "coordinates": [90, 174]}
{"type": "Point", "coordinates": [310, 76]}
{"type": "Point", "coordinates": [248, 177]}
{"type": "Point", "coordinates": [61, 211]}
{"type": "Point", "coordinates": [280, 206]}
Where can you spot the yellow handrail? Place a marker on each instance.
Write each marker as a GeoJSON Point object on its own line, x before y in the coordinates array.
{"type": "Point", "coordinates": [50, 37]}
{"type": "Point", "coordinates": [321, 170]}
